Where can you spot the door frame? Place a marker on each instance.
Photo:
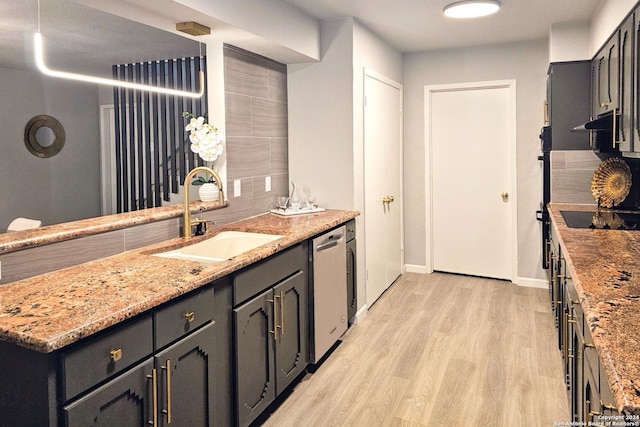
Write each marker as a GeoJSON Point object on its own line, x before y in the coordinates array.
{"type": "Point", "coordinates": [513, 196]}
{"type": "Point", "coordinates": [369, 73]}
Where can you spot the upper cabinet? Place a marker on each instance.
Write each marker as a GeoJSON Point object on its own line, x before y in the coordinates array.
{"type": "Point", "coordinates": [568, 103]}
{"type": "Point", "coordinates": [625, 115]}
{"type": "Point", "coordinates": [615, 90]}
{"type": "Point", "coordinates": [605, 77]}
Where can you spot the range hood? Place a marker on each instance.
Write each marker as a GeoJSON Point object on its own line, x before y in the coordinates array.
{"type": "Point", "coordinates": [604, 130]}
{"type": "Point", "coordinates": [604, 122]}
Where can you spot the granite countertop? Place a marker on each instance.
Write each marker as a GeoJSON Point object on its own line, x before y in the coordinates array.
{"type": "Point", "coordinates": [53, 310]}
{"type": "Point", "coordinates": [605, 268]}
{"type": "Point", "coordinates": [13, 241]}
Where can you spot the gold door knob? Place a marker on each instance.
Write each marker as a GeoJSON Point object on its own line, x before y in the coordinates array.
{"type": "Point", "coordinates": [505, 196]}
{"type": "Point", "coordinates": [387, 199]}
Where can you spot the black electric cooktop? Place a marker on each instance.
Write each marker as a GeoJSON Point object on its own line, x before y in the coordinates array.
{"type": "Point", "coordinates": [604, 219]}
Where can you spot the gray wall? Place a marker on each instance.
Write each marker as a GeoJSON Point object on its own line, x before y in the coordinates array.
{"type": "Point", "coordinates": [63, 187]}
{"type": "Point", "coordinates": [255, 92]}
{"type": "Point", "coordinates": [525, 62]}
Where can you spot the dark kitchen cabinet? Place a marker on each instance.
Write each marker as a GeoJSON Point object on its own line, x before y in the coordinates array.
{"type": "Point", "coordinates": [271, 330]}
{"type": "Point", "coordinates": [588, 391]}
{"type": "Point", "coordinates": [124, 401]}
{"type": "Point", "coordinates": [605, 77]}
{"type": "Point", "coordinates": [158, 364]}
{"type": "Point", "coordinates": [186, 381]}
{"type": "Point", "coordinates": [635, 148]}
{"type": "Point", "coordinates": [567, 103]}
{"type": "Point", "coordinates": [176, 386]}
{"type": "Point", "coordinates": [625, 112]}
{"type": "Point", "coordinates": [553, 255]}
{"type": "Point", "coordinates": [352, 274]}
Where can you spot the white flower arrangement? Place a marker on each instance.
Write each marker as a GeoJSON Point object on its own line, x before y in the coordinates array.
{"type": "Point", "coordinates": [206, 140]}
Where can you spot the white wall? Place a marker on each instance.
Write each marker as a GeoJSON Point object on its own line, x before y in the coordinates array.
{"type": "Point", "coordinates": [606, 18]}
{"type": "Point", "coordinates": [326, 118]}
{"type": "Point", "coordinates": [525, 62]}
{"type": "Point", "coordinates": [569, 41]}
{"type": "Point", "coordinates": [321, 119]}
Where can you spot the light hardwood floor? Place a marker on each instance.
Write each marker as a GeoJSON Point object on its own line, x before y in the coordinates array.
{"type": "Point", "coordinates": [439, 350]}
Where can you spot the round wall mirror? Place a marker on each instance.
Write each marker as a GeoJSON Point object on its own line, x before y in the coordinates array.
{"type": "Point", "coordinates": [44, 136]}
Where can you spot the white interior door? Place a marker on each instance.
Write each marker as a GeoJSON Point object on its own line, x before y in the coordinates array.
{"type": "Point", "coordinates": [472, 187]}
{"type": "Point", "coordinates": [382, 181]}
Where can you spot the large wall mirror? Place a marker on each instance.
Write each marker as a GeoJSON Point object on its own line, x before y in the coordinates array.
{"type": "Point", "coordinates": [77, 38]}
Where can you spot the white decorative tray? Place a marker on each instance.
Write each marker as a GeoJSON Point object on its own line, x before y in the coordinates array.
{"type": "Point", "coordinates": [289, 212]}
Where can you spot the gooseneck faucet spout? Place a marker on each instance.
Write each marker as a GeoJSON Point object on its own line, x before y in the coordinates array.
{"type": "Point", "coordinates": [188, 221]}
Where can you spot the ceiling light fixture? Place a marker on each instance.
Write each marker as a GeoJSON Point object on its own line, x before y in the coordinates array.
{"type": "Point", "coordinates": [39, 57]}
{"type": "Point", "coordinates": [193, 28]}
{"type": "Point", "coordinates": [471, 8]}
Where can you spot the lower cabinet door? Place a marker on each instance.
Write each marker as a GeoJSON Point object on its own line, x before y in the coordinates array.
{"type": "Point", "coordinates": [591, 400]}
{"type": "Point", "coordinates": [291, 347]}
{"type": "Point", "coordinates": [255, 380]}
{"type": "Point", "coordinates": [186, 381]}
{"type": "Point", "coordinates": [126, 401]}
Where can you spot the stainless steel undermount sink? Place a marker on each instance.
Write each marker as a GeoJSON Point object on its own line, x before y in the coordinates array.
{"type": "Point", "coordinates": [221, 247]}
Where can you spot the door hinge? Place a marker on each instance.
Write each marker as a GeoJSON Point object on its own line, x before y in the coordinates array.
{"type": "Point", "coordinates": [401, 110]}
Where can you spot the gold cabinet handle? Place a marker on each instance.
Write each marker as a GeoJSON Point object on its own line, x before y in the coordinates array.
{"type": "Point", "coordinates": [274, 331]}
{"type": "Point", "coordinates": [282, 312]}
{"type": "Point", "coordinates": [115, 354]}
{"type": "Point", "coordinates": [167, 411]}
{"type": "Point", "coordinates": [608, 406]}
{"type": "Point", "coordinates": [189, 316]}
{"type": "Point", "coordinates": [591, 415]}
{"type": "Point", "coordinates": [154, 385]}
{"type": "Point", "coordinates": [505, 196]}
{"type": "Point", "coordinates": [614, 130]}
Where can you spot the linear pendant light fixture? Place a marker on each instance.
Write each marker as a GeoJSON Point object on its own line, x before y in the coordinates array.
{"type": "Point", "coordinates": [471, 8]}
{"type": "Point", "coordinates": [39, 57]}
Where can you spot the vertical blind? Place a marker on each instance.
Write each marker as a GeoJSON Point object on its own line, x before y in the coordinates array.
{"type": "Point", "coordinates": [152, 149]}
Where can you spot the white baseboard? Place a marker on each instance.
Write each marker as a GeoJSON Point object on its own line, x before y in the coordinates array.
{"type": "Point", "coordinates": [413, 268]}
{"type": "Point", "coordinates": [521, 281]}
{"type": "Point", "coordinates": [532, 283]}
{"type": "Point", "coordinates": [360, 315]}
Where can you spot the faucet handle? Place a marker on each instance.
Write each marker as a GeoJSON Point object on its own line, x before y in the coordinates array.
{"type": "Point", "coordinates": [201, 225]}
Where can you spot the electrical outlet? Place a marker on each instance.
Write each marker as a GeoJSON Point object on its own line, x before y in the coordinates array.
{"type": "Point", "coordinates": [267, 183]}
{"type": "Point", "coordinates": [237, 188]}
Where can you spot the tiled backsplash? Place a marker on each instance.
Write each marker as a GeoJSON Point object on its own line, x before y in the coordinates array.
{"type": "Point", "coordinates": [256, 129]}
{"type": "Point", "coordinates": [571, 173]}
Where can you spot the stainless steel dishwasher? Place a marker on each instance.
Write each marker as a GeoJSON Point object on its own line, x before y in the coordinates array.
{"type": "Point", "coordinates": [329, 291]}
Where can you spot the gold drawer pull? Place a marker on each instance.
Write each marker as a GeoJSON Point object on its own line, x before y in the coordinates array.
{"type": "Point", "coordinates": [154, 383]}
{"type": "Point", "coordinates": [189, 316]}
{"type": "Point", "coordinates": [167, 411]}
{"type": "Point", "coordinates": [115, 354]}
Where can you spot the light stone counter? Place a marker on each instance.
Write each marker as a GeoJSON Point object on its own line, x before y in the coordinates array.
{"type": "Point", "coordinates": [53, 310]}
